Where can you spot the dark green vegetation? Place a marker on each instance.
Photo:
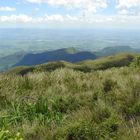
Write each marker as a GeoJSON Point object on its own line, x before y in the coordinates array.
{"type": "Point", "coordinates": [70, 55]}
{"type": "Point", "coordinates": [118, 60]}
{"type": "Point", "coordinates": [59, 101]}
{"type": "Point", "coordinates": [118, 49]}
{"type": "Point", "coordinates": [30, 59]}
{"type": "Point", "coordinates": [66, 54]}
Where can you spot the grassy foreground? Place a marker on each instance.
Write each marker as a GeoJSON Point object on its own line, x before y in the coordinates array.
{"type": "Point", "coordinates": [66, 104]}
{"type": "Point", "coordinates": [71, 105]}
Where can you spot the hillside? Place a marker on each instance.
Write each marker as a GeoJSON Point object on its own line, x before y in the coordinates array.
{"type": "Point", "coordinates": [66, 54]}
{"type": "Point", "coordinates": [70, 55]}
{"type": "Point", "coordinates": [8, 61]}
{"type": "Point", "coordinates": [118, 60]}
{"type": "Point", "coordinates": [117, 49]}
{"type": "Point", "coordinates": [65, 104]}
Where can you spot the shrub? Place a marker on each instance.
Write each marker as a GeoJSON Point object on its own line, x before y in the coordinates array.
{"type": "Point", "coordinates": [136, 62]}
{"type": "Point", "coordinates": [79, 130]}
{"type": "Point", "coordinates": [108, 85]}
{"type": "Point", "coordinates": [64, 105]}
{"type": "Point", "coordinates": [6, 135]}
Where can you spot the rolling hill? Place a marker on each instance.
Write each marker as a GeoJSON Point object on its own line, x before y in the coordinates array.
{"type": "Point", "coordinates": [118, 60]}
{"type": "Point", "coordinates": [117, 49]}
{"type": "Point", "coordinates": [57, 55]}
{"type": "Point", "coordinates": [66, 54]}
{"type": "Point", "coordinates": [59, 101]}
{"type": "Point", "coordinates": [72, 55]}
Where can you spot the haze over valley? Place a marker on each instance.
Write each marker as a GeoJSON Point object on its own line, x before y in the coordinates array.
{"type": "Point", "coordinates": [15, 43]}
{"type": "Point", "coordinates": [36, 40]}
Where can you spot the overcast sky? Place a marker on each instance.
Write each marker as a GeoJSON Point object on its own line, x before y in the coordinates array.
{"type": "Point", "coordinates": [70, 13]}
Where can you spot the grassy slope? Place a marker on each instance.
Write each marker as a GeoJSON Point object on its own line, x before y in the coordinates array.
{"type": "Point", "coordinates": [65, 104]}
{"type": "Point", "coordinates": [84, 66]}
{"type": "Point", "coordinates": [117, 60]}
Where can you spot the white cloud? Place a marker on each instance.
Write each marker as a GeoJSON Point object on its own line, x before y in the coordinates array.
{"type": "Point", "coordinates": [27, 19]}
{"type": "Point", "coordinates": [56, 18]}
{"type": "Point", "coordinates": [10, 9]}
{"type": "Point", "coordinates": [123, 12]}
{"type": "Point", "coordinates": [72, 19]}
{"type": "Point", "coordinates": [68, 20]}
{"type": "Point", "coordinates": [128, 3]}
{"type": "Point", "coordinates": [128, 7]}
{"type": "Point", "coordinates": [15, 19]}
{"type": "Point", "coordinates": [79, 3]}
{"type": "Point", "coordinates": [126, 13]}
{"type": "Point", "coordinates": [88, 6]}
{"type": "Point", "coordinates": [37, 1]}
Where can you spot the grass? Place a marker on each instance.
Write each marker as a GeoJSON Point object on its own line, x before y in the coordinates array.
{"type": "Point", "coordinates": [117, 60]}
{"type": "Point", "coordinates": [66, 104]}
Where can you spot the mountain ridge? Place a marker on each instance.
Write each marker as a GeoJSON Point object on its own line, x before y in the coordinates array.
{"type": "Point", "coordinates": [118, 60]}
{"type": "Point", "coordinates": [66, 54]}
{"type": "Point", "coordinates": [56, 55]}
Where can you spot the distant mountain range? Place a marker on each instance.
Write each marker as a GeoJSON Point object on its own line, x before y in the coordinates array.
{"type": "Point", "coordinates": [117, 49]}
{"type": "Point", "coordinates": [70, 55]}
{"type": "Point", "coordinates": [66, 54]}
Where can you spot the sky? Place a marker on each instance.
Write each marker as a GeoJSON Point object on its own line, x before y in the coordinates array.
{"type": "Point", "coordinates": [70, 13]}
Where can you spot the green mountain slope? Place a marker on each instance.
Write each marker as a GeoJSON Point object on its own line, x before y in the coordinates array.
{"type": "Point", "coordinates": [65, 104]}
{"type": "Point", "coordinates": [66, 54]}
{"type": "Point", "coordinates": [117, 49]}
{"type": "Point", "coordinates": [118, 60]}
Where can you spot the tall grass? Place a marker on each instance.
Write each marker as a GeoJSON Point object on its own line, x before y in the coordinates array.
{"type": "Point", "coordinates": [72, 105]}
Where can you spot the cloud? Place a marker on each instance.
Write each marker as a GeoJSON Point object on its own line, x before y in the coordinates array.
{"type": "Point", "coordinates": [69, 21]}
{"type": "Point", "coordinates": [87, 6]}
{"type": "Point", "coordinates": [53, 18]}
{"type": "Point", "coordinates": [56, 18]}
{"type": "Point", "coordinates": [10, 9]}
{"type": "Point", "coordinates": [27, 19]}
{"type": "Point", "coordinates": [123, 12]}
{"type": "Point", "coordinates": [88, 13]}
{"type": "Point", "coordinates": [16, 19]}
{"type": "Point", "coordinates": [129, 7]}
{"type": "Point", "coordinates": [37, 1]}
{"type": "Point", "coordinates": [128, 3]}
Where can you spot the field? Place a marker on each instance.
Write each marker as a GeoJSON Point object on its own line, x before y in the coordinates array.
{"type": "Point", "coordinates": [66, 104]}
